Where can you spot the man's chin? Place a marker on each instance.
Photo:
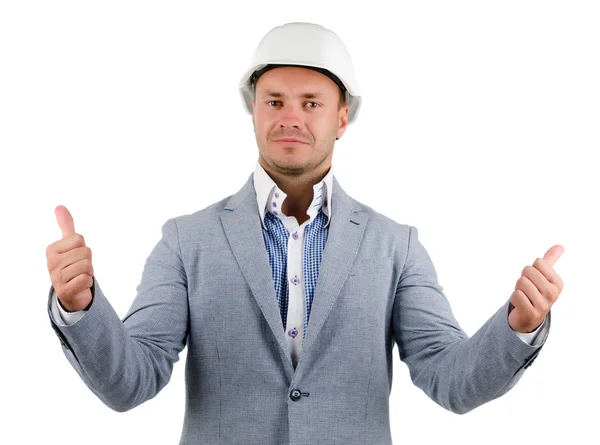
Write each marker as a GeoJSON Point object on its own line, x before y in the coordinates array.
{"type": "Point", "coordinates": [291, 167]}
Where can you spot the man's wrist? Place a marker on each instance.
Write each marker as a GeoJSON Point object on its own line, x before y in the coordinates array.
{"type": "Point", "coordinates": [62, 306]}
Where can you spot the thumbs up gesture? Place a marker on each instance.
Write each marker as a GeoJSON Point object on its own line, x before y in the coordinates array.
{"type": "Point", "coordinates": [70, 265]}
{"type": "Point", "coordinates": [535, 292]}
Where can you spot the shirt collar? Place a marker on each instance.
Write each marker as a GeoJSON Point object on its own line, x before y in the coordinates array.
{"type": "Point", "coordinates": [268, 193]}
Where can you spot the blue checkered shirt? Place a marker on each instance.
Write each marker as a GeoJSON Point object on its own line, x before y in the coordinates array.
{"type": "Point", "coordinates": [276, 241]}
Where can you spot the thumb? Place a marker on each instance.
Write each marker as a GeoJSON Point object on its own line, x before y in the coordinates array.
{"type": "Point", "coordinates": [554, 253]}
{"type": "Point", "coordinates": [65, 221]}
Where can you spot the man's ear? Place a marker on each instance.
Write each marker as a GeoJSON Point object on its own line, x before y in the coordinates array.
{"type": "Point", "coordinates": [343, 122]}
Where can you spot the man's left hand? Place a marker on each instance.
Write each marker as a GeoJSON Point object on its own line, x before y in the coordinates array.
{"type": "Point", "coordinates": [535, 292]}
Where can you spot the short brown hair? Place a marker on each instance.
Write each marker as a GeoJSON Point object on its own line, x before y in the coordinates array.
{"type": "Point", "coordinates": [342, 100]}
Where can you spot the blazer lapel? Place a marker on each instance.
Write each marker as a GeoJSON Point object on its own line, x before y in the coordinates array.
{"type": "Point", "coordinates": [241, 222]}
{"type": "Point", "coordinates": [346, 231]}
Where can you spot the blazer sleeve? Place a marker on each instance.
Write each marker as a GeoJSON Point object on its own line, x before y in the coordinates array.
{"type": "Point", "coordinates": [126, 362]}
{"type": "Point", "coordinates": [458, 372]}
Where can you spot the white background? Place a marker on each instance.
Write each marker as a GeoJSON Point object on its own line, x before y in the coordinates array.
{"type": "Point", "coordinates": [479, 126]}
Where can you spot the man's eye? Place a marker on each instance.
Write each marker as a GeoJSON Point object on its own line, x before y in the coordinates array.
{"type": "Point", "coordinates": [312, 104]}
{"type": "Point", "coordinates": [274, 103]}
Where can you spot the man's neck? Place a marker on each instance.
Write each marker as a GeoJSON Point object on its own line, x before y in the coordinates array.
{"type": "Point", "coordinates": [299, 190]}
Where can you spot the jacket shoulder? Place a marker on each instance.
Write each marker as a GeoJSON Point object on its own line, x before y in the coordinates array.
{"type": "Point", "coordinates": [201, 226]}
{"type": "Point", "coordinates": [380, 222]}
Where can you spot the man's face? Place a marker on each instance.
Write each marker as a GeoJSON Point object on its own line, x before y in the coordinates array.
{"type": "Point", "coordinates": [296, 116]}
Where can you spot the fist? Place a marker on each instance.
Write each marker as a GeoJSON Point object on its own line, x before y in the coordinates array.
{"type": "Point", "coordinates": [70, 265]}
{"type": "Point", "coordinates": [535, 292]}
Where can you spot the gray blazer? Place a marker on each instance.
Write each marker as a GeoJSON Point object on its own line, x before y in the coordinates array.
{"type": "Point", "coordinates": [207, 284]}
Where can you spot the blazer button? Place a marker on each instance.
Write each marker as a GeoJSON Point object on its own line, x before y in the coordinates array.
{"type": "Point", "coordinates": [295, 395]}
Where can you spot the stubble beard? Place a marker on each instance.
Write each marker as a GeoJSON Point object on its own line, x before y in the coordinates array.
{"type": "Point", "coordinates": [298, 170]}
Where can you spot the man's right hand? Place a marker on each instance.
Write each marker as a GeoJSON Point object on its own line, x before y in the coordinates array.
{"type": "Point", "coordinates": [70, 265]}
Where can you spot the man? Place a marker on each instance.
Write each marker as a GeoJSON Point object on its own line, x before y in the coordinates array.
{"type": "Point", "coordinates": [290, 294]}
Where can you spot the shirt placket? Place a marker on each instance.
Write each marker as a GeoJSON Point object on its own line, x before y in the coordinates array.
{"type": "Point", "coordinates": [296, 292]}
{"type": "Point", "coordinates": [296, 310]}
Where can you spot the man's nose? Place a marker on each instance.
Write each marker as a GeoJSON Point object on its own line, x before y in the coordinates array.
{"type": "Point", "coordinates": [290, 117]}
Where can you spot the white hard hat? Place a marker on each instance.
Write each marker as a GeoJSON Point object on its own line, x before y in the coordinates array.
{"type": "Point", "coordinates": [304, 44]}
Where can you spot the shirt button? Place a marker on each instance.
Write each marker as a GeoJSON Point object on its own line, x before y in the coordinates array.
{"type": "Point", "coordinates": [276, 195]}
{"type": "Point", "coordinates": [295, 280]}
{"type": "Point", "coordinates": [293, 332]}
{"type": "Point", "coordinates": [295, 395]}
{"type": "Point", "coordinates": [295, 235]}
